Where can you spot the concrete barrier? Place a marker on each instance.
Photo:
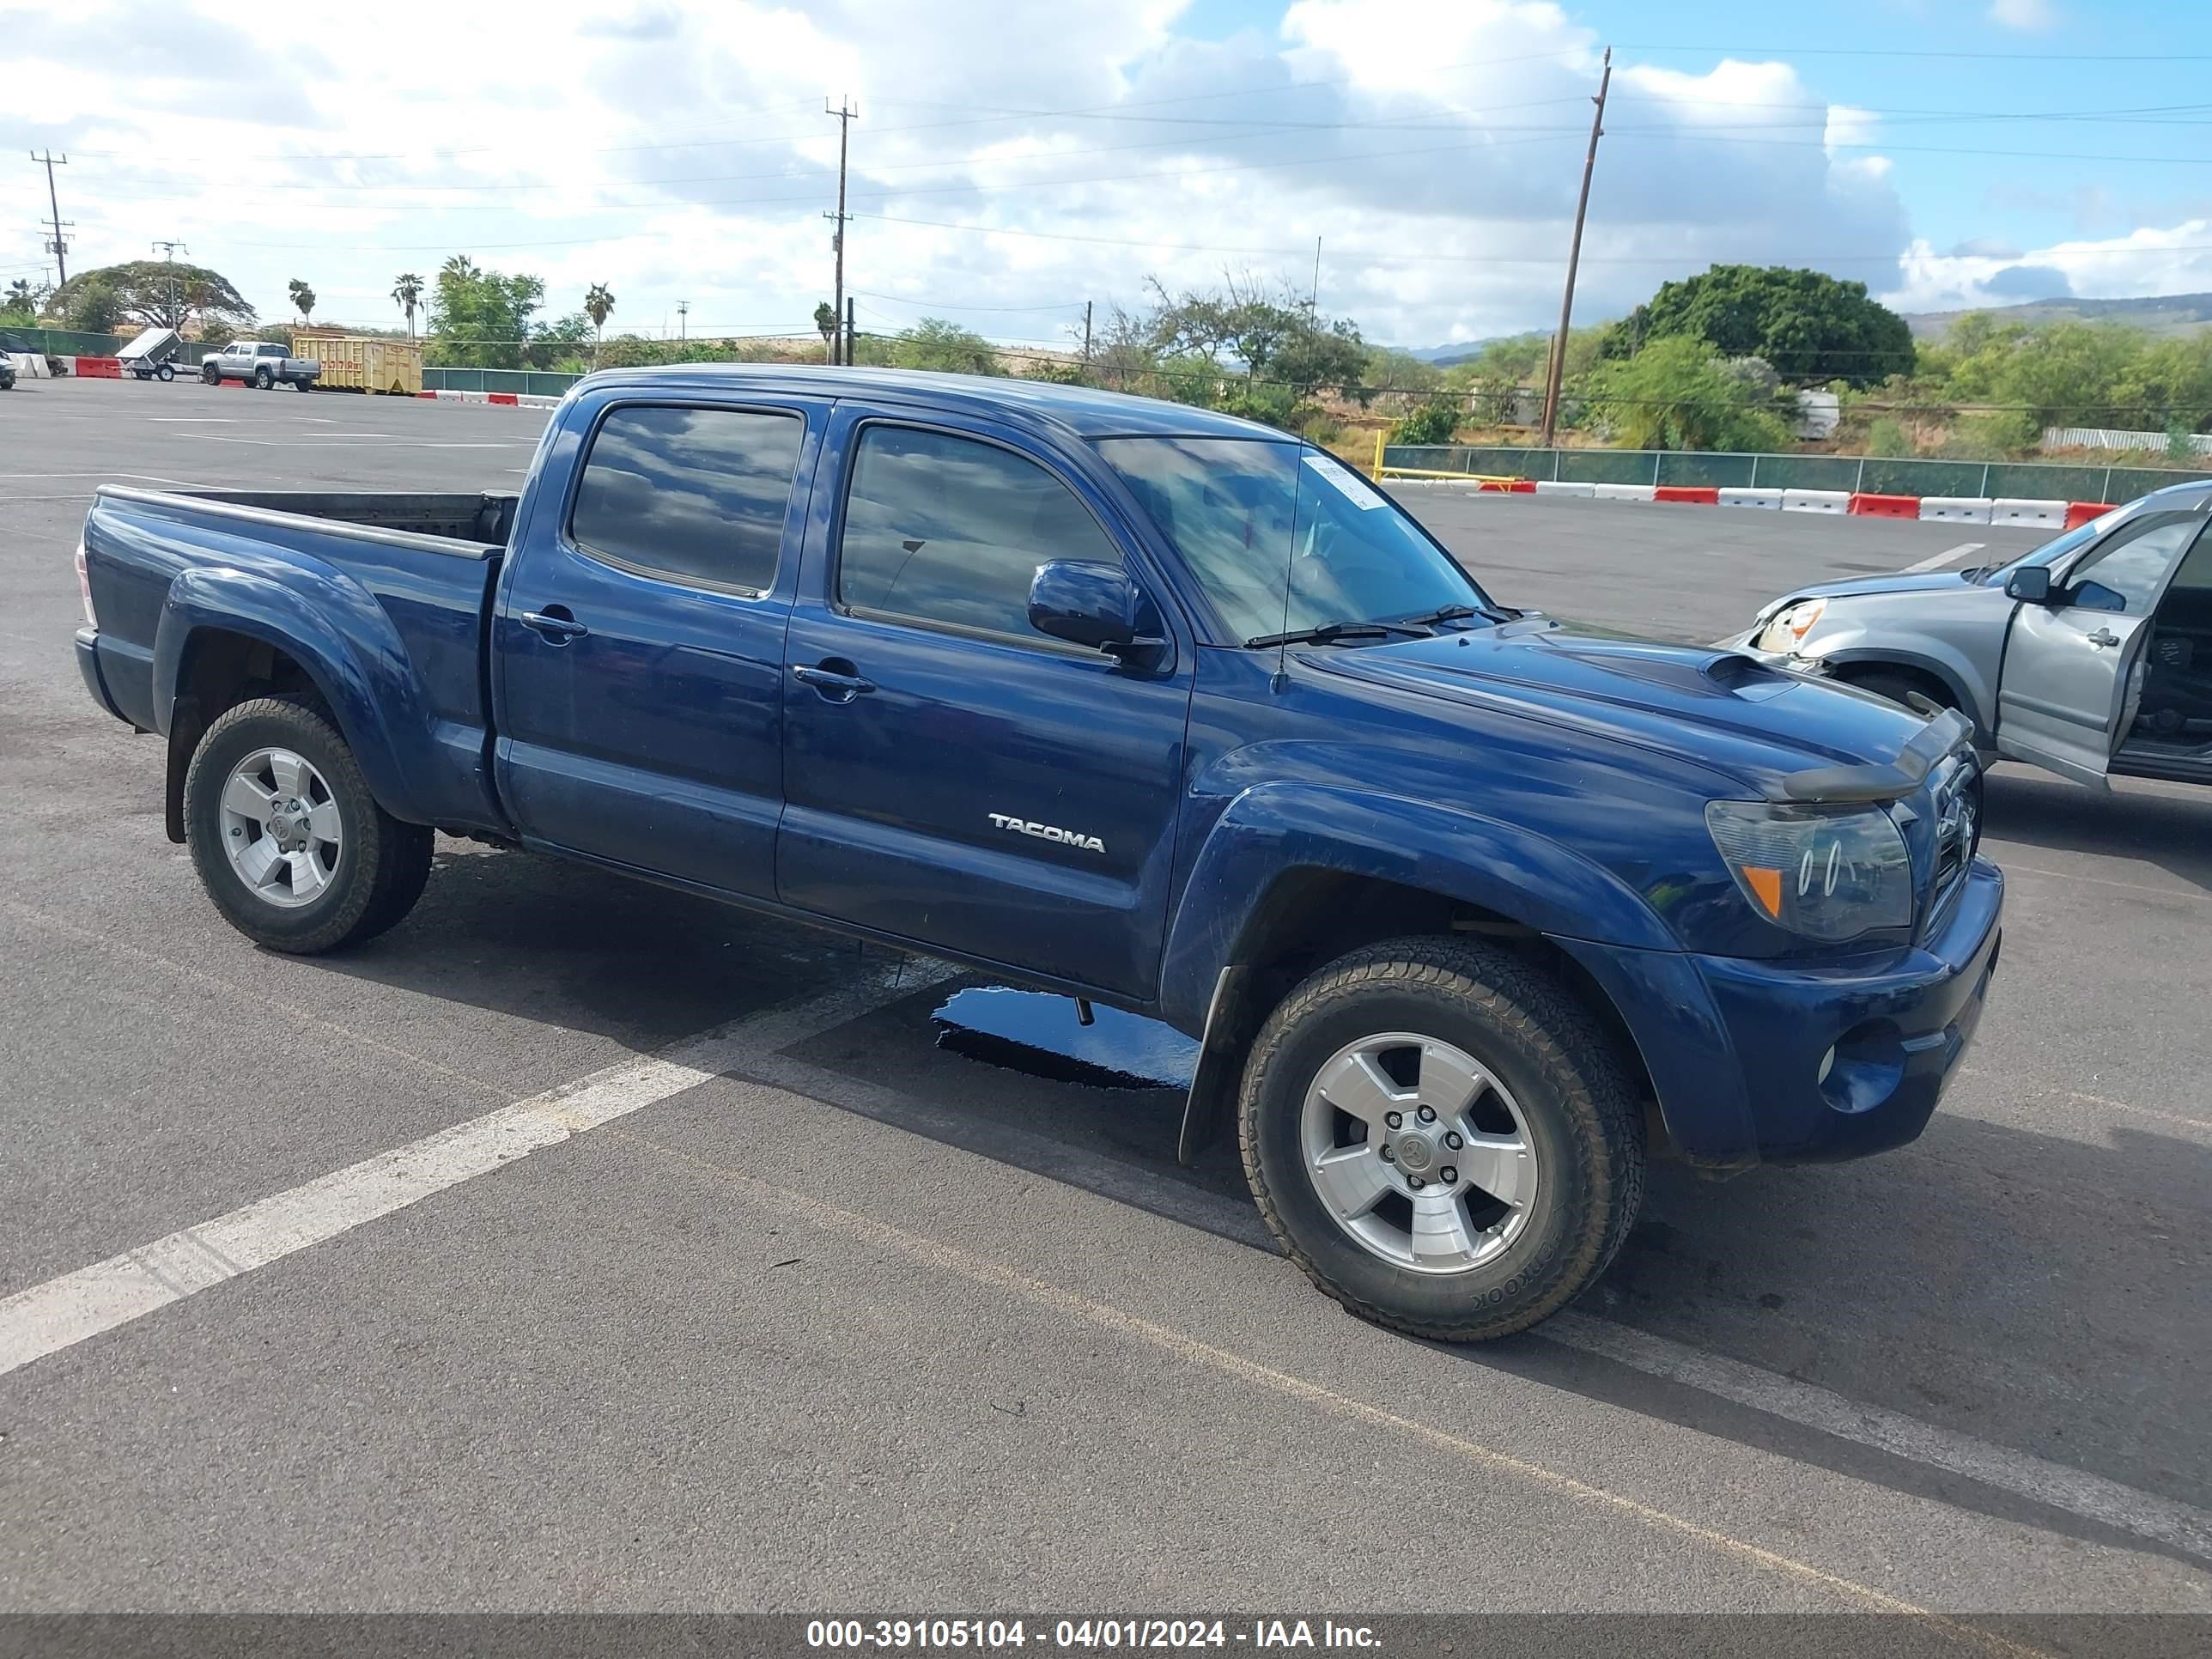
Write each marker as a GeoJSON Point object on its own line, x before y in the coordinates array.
{"type": "Point", "coordinates": [1548, 487]}
{"type": "Point", "coordinates": [1864, 506]}
{"type": "Point", "coordinates": [1688, 495]}
{"type": "Point", "coordinates": [1954, 509]}
{"type": "Point", "coordinates": [2081, 513]}
{"type": "Point", "coordinates": [97, 368]}
{"type": "Point", "coordinates": [30, 365]}
{"type": "Point", "coordinates": [1816, 500]}
{"type": "Point", "coordinates": [1747, 496]}
{"type": "Point", "coordinates": [2045, 515]}
{"type": "Point", "coordinates": [1623, 492]}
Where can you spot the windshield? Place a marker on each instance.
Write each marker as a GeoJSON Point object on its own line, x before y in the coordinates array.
{"type": "Point", "coordinates": [1282, 536]}
{"type": "Point", "coordinates": [1993, 575]}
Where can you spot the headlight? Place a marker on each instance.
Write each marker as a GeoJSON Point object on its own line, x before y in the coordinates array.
{"type": "Point", "coordinates": [1827, 872]}
{"type": "Point", "coordinates": [1791, 625]}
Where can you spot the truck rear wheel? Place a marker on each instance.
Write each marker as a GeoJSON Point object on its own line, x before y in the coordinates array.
{"type": "Point", "coordinates": [1442, 1138]}
{"type": "Point", "coordinates": [263, 379]}
{"type": "Point", "coordinates": [287, 838]}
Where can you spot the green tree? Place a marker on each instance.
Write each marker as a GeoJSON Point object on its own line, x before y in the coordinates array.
{"type": "Point", "coordinates": [1812, 327]}
{"type": "Point", "coordinates": [303, 299]}
{"type": "Point", "coordinates": [561, 341]}
{"type": "Point", "coordinates": [932, 342]}
{"type": "Point", "coordinates": [1678, 393]}
{"type": "Point", "coordinates": [481, 318]}
{"type": "Point", "coordinates": [21, 307]}
{"type": "Point", "coordinates": [407, 295]}
{"type": "Point", "coordinates": [162, 294]}
{"type": "Point", "coordinates": [599, 305]}
{"type": "Point", "coordinates": [825, 320]}
{"type": "Point", "coordinates": [1433, 422]}
{"type": "Point", "coordinates": [92, 308]}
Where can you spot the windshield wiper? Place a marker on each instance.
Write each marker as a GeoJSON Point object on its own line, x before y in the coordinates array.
{"type": "Point", "coordinates": [1330, 633]}
{"type": "Point", "coordinates": [1444, 613]}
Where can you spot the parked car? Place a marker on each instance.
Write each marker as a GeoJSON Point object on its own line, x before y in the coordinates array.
{"type": "Point", "coordinates": [262, 363]}
{"type": "Point", "coordinates": [2090, 655]}
{"type": "Point", "coordinates": [152, 355]}
{"type": "Point", "coordinates": [7, 373]}
{"type": "Point", "coordinates": [1119, 699]}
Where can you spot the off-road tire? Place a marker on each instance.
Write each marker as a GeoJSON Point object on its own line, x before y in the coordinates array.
{"type": "Point", "coordinates": [382, 863]}
{"type": "Point", "coordinates": [1584, 1117]}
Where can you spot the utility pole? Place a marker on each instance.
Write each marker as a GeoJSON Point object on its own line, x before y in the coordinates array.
{"type": "Point", "coordinates": [1313, 305]}
{"type": "Point", "coordinates": [1086, 342]}
{"type": "Point", "coordinates": [682, 321]}
{"type": "Point", "coordinates": [1559, 362]}
{"type": "Point", "coordinates": [58, 245]}
{"type": "Point", "coordinates": [168, 251]}
{"type": "Point", "coordinates": [844, 113]}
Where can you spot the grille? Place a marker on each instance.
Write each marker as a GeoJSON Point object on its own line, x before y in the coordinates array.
{"type": "Point", "coordinates": [1958, 800]}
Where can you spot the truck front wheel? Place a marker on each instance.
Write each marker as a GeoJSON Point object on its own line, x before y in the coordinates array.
{"type": "Point", "coordinates": [287, 841]}
{"type": "Point", "coordinates": [211, 374]}
{"type": "Point", "coordinates": [1442, 1138]}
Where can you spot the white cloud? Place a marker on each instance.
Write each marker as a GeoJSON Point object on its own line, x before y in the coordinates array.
{"type": "Point", "coordinates": [2023, 14]}
{"type": "Point", "coordinates": [679, 151]}
{"type": "Point", "coordinates": [2176, 259]}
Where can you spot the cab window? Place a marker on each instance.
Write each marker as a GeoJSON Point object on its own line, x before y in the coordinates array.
{"type": "Point", "coordinates": [951, 529]}
{"type": "Point", "coordinates": [2126, 574]}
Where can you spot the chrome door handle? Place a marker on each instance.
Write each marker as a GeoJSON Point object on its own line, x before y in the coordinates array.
{"type": "Point", "coordinates": [2102, 638]}
{"type": "Point", "coordinates": [557, 631]}
{"type": "Point", "coordinates": [835, 686]}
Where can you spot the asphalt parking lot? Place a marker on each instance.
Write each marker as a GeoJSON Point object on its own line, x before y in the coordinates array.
{"type": "Point", "coordinates": [837, 1319]}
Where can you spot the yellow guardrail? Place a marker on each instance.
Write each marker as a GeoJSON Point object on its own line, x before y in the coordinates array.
{"type": "Point", "coordinates": [1380, 471]}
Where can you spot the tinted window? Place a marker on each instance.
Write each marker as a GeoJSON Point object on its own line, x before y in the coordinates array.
{"type": "Point", "coordinates": [953, 531]}
{"type": "Point", "coordinates": [2126, 574]}
{"type": "Point", "coordinates": [696, 494]}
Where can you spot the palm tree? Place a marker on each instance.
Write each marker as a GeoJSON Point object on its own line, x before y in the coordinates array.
{"type": "Point", "coordinates": [303, 299]}
{"type": "Point", "coordinates": [599, 305]}
{"type": "Point", "coordinates": [408, 292]}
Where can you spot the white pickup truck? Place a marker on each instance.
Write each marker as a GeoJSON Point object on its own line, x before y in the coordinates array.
{"type": "Point", "coordinates": [262, 363]}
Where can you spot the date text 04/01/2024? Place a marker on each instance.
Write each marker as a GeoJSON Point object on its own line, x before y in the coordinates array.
{"type": "Point", "coordinates": [1083, 1634]}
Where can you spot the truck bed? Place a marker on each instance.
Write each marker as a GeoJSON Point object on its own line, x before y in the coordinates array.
{"type": "Point", "coordinates": [399, 583]}
{"type": "Point", "coordinates": [481, 519]}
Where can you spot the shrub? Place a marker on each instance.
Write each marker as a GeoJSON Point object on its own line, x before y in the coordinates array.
{"type": "Point", "coordinates": [1887, 437]}
{"type": "Point", "coordinates": [1433, 422]}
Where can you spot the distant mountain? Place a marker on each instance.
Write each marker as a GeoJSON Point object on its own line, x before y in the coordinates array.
{"type": "Point", "coordinates": [2172, 314]}
{"type": "Point", "coordinates": [1444, 356]}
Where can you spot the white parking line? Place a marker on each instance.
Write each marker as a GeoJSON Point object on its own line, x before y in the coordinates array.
{"type": "Point", "coordinates": [1943, 558]}
{"type": "Point", "coordinates": [2091, 1497]}
{"type": "Point", "coordinates": [64, 1311]}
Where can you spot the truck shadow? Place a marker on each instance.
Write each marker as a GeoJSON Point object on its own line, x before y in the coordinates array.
{"type": "Point", "coordinates": [2157, 823]}
{"type": "Point", "coordinates": [2039, 1292]}
{"type": "Point", "coordinates": [566, 944]}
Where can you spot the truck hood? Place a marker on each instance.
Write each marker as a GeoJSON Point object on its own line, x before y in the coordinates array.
{"type": "Point", "coordinates": [1930, 581]}
{"type": "Point", "coordinates": [1715, 708]}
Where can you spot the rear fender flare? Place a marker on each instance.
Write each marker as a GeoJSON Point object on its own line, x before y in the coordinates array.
{"type": "Point", "coordinates": [342, 640]}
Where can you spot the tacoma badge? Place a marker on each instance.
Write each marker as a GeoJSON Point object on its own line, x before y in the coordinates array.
{"type": "Point", "coordinates": [1048, 832]}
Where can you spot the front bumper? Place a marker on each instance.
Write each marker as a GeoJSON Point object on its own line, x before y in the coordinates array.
{"type": "Point", "coordinates": [1759, 1061]}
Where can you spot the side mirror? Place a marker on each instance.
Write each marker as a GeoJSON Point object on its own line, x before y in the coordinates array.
{"type": "Point", "coordinates": [2030, 585]}
{"type": "Point", "coordinates": [1097, 606]}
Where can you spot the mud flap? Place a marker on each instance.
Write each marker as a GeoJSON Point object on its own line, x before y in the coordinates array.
{"type": "Point", "coordinates": [1229, 1022]}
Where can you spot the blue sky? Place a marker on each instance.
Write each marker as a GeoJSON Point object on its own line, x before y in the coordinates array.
{"type": "Point", "coordinates": [1012, 163]}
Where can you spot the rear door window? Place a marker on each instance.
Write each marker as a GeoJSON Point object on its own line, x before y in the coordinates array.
{"type": "Point", "coordinates": [697, 494]}
{"type": "Point", "coordinates": [951, 529]}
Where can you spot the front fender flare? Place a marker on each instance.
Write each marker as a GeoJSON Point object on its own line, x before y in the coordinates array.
{"type": "Point", "coordinates": [1274, 829]}
{"type": "Point", "coordinates": [342, 640]}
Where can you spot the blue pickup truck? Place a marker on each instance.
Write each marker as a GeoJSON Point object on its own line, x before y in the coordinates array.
{"type": "Point", "coordinates": [1471, 913]}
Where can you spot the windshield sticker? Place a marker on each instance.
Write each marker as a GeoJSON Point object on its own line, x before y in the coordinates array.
{"type": "Point", "coordinates": [1346, 483]}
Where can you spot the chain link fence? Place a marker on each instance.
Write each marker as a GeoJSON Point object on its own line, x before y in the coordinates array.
{"type": "Point", "coordinates": [1871, 474]}
{"type": "Point", "coordinates": [536, 382]}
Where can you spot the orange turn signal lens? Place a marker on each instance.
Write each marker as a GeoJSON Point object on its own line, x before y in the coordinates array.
{"type": "Point", "coordinates": [1767, 884]}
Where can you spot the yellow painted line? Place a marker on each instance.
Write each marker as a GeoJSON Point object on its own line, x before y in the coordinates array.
{"type": "Point", "coordinates": [982, 1270]}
